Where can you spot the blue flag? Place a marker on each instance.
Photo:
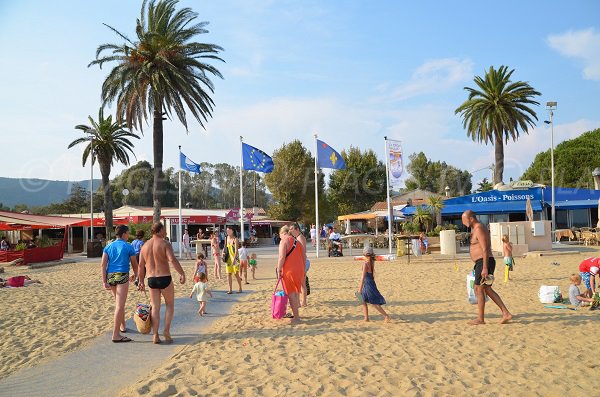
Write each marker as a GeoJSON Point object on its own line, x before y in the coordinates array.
{"type": "Point", "coordinates": [188, 165]}
{"type": "Point", "coordinates": [328, 158]}
{"type": "Point", "coordinates": [255, 159]}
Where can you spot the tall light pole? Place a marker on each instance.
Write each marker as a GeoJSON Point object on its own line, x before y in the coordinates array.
{"type": "Point", "coordinates": [551, 107]}
{"type": "Point", "coordinates": [92, 189]}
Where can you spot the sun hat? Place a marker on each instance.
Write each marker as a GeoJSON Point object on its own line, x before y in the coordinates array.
{"type": "Point", "coordinates": [594, 270]}
{"type": "Point", "coordinates": [368, 251]}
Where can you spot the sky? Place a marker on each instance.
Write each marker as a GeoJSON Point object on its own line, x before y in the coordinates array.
{"type": "Point", "coordinates": [350, 71]}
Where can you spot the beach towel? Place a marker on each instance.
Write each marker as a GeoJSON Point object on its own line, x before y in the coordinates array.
{"type": "Point", "coordinates": [278, 302]}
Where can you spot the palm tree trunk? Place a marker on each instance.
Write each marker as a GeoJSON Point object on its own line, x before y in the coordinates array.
{"type": "Point", "coordinates": [157, 147]}
{"type": "Point", "coordinates": [499, 157]}
{"type": "Point", "coordinates": [108, 205]}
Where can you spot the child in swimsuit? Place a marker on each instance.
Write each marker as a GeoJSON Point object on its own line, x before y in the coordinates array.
{"type": "Point", "coordinates": [508, 258]}
{"type": "Point", "coordinates": [200, 268]}
{"type": "Point", "coordinates": [253, 264]}
{"type": "Point", "coordinates": [243, 253]}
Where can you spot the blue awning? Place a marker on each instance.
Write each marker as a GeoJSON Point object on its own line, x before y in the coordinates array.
{"type": "Point", "coordinates": [483, 208]}
{"type": "Point", "coordinates": [575, 204]}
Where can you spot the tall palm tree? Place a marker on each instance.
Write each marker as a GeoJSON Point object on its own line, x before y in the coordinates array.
{"type": "Point", "coordinates": [498, 110]}
{"type": "Point", "coordinates": [422, 217]}
{"type": "Point", "coordinates": [436, 204]}
{"type": "Point", "coordinates": [110, 142]}
{"type": "Point", "coordinates": [163, 71]}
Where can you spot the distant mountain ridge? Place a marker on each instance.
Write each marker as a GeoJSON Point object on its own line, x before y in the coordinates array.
{"type": "Point", "coordinates": [38, 192]}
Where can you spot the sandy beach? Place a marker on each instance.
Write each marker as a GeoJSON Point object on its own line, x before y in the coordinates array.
{"type": "Point", "coordinates": [428, 349]}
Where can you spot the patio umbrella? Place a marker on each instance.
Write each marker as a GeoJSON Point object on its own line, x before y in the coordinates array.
{"type": "Point", "coordinates": [529, 210]}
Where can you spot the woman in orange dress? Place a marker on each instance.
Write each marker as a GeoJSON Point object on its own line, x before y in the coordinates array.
{"type": "Point", "coordinates": [291, 267]}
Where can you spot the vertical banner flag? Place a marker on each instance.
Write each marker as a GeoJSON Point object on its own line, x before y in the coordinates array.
{"type": "Point", "coordinates": [255, 159]}
{"type": "Point", "coordinates": [396, 165]}
{"type": "Point", "coordinates": [328, 157]}
{"type": "Point", "coordinates": [188, 165]}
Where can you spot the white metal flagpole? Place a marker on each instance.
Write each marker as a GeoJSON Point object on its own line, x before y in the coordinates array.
{"type": "Point", "coordinates": [318, 229]}
{"type": "Point", "coordinates": [389, 204]}
{"type": "Point", "coordinates": [179, 225]}
{"type": "Point", "coordinates": [241, 190]}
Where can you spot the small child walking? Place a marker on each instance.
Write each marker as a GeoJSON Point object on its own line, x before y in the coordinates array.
{"type": "Point", "coordinates": [202, 293]}
{"type": "Point", "coordinates": [200, 268]}
{"type": "Point", "coordinates": [243, 253]}
{"type": "Point", "coordinates": [508, 257]}
{"type": "Point", "coordinates": [253, 264]}
{"type": "Point", "coordinates": [368, 289]}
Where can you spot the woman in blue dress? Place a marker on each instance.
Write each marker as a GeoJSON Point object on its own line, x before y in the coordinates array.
{"type": "Point", "coordinates": [368, 289]}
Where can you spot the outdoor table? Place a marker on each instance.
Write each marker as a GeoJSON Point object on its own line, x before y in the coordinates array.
{"type": "Point", "coordinates": [202, 244]}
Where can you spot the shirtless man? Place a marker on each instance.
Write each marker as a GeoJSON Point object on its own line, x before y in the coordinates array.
{"type": "Point", "coordinates": [481, 254]}
{"type": "Point", "coordinates": [155, 257]}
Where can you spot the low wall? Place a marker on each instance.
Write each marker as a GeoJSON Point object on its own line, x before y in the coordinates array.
{"type": "Point", "coordinates": [34, 255]}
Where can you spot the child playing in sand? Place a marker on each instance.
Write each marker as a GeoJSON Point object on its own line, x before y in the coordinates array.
{"type": "Point", "coordinates": [243, 253]}
{"type": "Point", "coordinates": [508, 258]}
{"type": "Point", "coordinates": [575, 296]}
{"type": "Point", "coordinates": [368, 288]}
{"type": "Point", "coordinates": [200, 268]}
{"type": "Point", "coordinates": [253, 264]}
{"type": "Point", "coordinates": [202, 293]}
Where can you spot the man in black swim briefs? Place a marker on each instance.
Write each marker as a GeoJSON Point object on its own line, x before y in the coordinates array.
{"type": "Point", "coordinates": [481, 254]}
{"type": "Point", "coordinates": [155, 257]}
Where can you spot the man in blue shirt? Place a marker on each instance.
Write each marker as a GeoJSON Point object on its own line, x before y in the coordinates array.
{"type": "Point", "coordinates": [116, 260]}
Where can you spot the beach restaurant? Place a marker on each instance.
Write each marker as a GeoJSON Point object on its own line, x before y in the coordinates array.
{"type": "Point", "coordinates": [574, 207]}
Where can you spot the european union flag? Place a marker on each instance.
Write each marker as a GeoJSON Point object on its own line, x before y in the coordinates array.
{"type": "Point", "coordinates": [255, 159]}
{"type": "Point", "coordinates": [327, 157]}
{"type": "Point", "coordinates": [188, 165]}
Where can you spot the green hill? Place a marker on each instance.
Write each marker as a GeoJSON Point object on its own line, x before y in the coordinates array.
{"type": "Point", "coordinates": [574, 161]}
{"type": "Point", "coordinates": [37, 192]}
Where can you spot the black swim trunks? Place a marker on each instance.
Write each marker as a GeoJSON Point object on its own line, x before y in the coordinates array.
{"type": "Point", "coordinates": [117, 278]}
{"type": "Point", "coordinates": [479, 267]}
{"type": "Point", "coordinates": [159, 282]}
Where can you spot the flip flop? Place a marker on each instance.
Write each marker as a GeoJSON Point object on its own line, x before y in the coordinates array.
{"type": "Point", "coordinates": [123, 330]}
{"type": "Point", "coordinates": [229, 292]}
{"type": "Point", "coordinates": [288, 315]}
{"type": "Point", "coordinates": [122, 340]}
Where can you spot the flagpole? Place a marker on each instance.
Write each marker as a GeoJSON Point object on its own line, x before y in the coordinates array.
{"type": "Point", "coordinates": [241, 190]}
{"type": "Point", "coordinates": [389, 204]}
{"type": "Point", "coordinates": [179, 232]}
{"type": "Point", "coordinates": [317, 227]}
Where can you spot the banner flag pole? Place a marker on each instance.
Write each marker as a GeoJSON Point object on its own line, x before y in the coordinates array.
{"type": "Point", "coordinates": [241, 190]}
{"type": "Point", "coordinates": [389, 204]}
{"type": "Point", "coordinates": [179, 231]}
{"type": "Point", "coordinates": [317, 227]}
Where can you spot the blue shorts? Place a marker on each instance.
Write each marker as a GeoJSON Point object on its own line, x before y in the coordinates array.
{"type": "Point", "coordinates": [585, 277]}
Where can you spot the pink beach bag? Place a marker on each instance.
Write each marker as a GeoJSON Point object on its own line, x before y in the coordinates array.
{"type": "Point", "coordinates": [279, 302]}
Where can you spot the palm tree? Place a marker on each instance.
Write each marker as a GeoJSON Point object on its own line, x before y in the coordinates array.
{"type": "Point", "coordinates": [422, 217]}
{"type": "Point", "coordinates": [436, 204]}
{"type": "Point", "coordinates": [110, 142]}
{"type": "Point", "coordinates": [161, 72]}
{"type": "Point", "coordinates": [497, 110]}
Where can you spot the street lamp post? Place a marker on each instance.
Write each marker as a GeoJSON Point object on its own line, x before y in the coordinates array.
{"type": "Point", "coordinates": [92, 189]}
{"type": "Point", "coordinates": [551, 107]}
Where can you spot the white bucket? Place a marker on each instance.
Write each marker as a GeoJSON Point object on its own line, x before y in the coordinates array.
{"type": "Point", "coordinates": [548, 293]}
{"type": "Point", "coordinates": [471, 297]}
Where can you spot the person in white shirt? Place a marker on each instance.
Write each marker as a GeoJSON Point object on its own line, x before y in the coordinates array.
{"type": "Point", "coordinates": [313, 235]}
{"type": "Point", "coordinates": [187, 252]}
{"type": "Point", "coordinates": [244, 255]}
{"type": "Point", "coordinates": [335, 238]}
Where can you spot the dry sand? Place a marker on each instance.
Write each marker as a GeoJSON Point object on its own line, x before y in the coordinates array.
{"type": "Point", "coordinates": [428, 349]}
{"type": "Point", "coordinates": [68, 310]}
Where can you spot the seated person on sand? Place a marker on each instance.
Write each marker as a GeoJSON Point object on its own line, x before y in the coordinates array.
{"type": "Point", "coordinates": [335, 239]}
{"type": "Point", "coordinates": [576, 298]}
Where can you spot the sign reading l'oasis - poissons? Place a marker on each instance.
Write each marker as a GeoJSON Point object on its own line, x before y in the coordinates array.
{"type": "Point", "coordinates": [498, 196]}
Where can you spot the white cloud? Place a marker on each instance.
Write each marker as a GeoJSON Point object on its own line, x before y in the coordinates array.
{"type": "Point", "coordinates": [580, 44]}
{"type": "Point", "coordinates": [433, 76]}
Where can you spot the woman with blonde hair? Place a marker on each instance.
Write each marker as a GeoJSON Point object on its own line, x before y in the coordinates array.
{"type": "Point", "coordinates": [290, 268]}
